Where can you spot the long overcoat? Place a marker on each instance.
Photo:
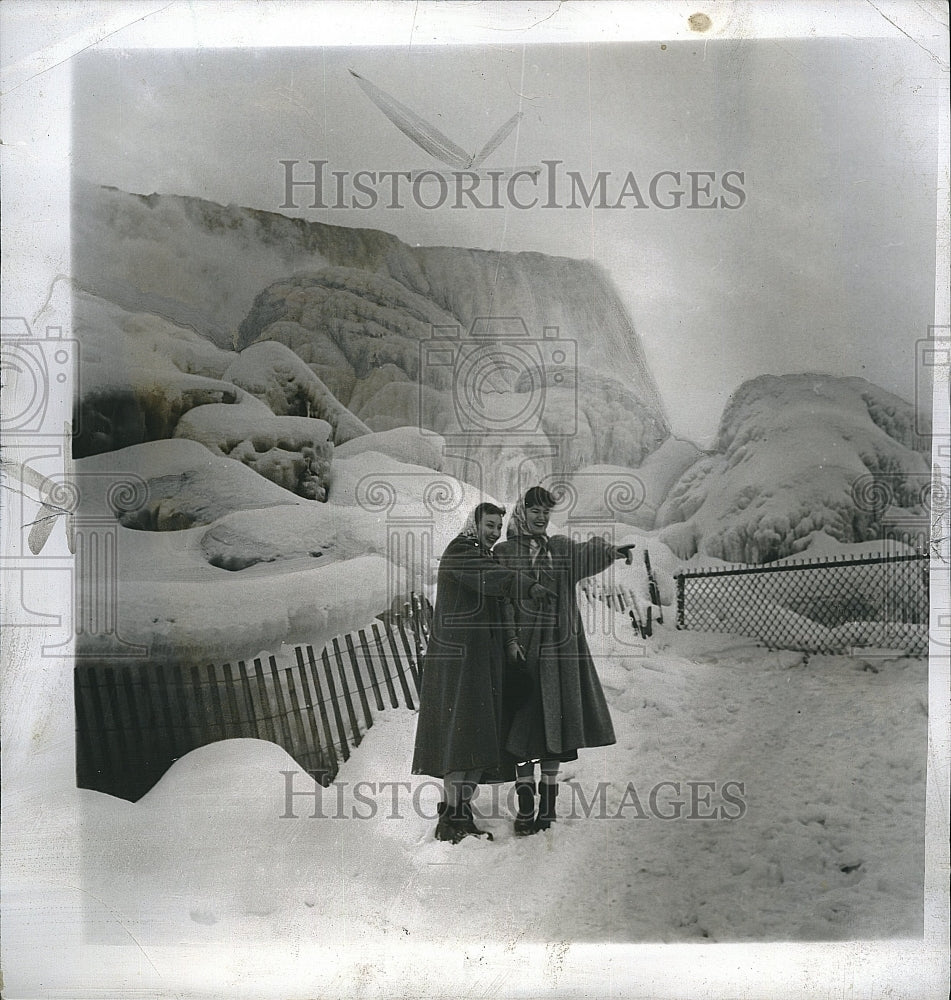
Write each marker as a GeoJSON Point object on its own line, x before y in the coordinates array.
{"type": "Point", "coordinates": [461, 726]}
{"type": "Point", "coordinates": [567, 709]}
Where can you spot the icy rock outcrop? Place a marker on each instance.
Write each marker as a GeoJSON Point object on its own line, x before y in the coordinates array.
{"type": "Point", "coordinates": [346, 309]}
{"type": "Point", "coordinates": [277, 376]}
{"type": "Point", "coordinates": [138, 375]}
{"type": "Point", "coordinates": [365, 389]}
{"type": "Point", "coordinates": [794, 456]}
{"type": "Point", "coordinates": [294, 452]}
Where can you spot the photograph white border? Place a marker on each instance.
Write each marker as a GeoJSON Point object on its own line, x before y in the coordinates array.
{"type": "Point", "coordinates": [38, 42]}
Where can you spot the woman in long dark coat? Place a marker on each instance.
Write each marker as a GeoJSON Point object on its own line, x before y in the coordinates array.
{"type": "Point", "coordinates": [460, 732]}
{"type": "Point", "coordinates": [567, 709]}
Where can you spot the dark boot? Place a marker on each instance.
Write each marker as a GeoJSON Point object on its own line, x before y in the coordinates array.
{"type": "Point", "coordinates": [525, 817]}
{"type": "Point", "coordinates": [467, 819]}
{"type": "Point", "coordinates": [546, 806]}
{"type": "Point", "coordinates": [450, 827]}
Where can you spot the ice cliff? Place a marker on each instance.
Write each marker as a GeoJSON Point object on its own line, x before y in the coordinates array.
{"type": "Point", "coordinates": [358, 307]}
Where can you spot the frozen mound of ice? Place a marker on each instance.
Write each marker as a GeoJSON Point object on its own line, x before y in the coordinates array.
{"type": "Point", "coordinates": [797, 455]}
{"type": "Point", "coordinates": [377, 506]}
{"type": "Point", "coordinates": [599, 493]}
{"type": "Point", "coordinates": [405, 444]}
{"type": "Point", "coordinates": [294, 452]}
{"type": "Point", "coordinates": [177, 484]}
{"type": "Point", "coordinates": [138, 374]}
{"type": "Point", "coordinates": [278, 377]}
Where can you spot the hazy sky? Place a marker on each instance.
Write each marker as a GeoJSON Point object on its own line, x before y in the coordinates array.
{"type": "Point", "coordinates": [828, 266]}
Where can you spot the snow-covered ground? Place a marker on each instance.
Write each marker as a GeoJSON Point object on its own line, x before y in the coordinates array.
{"type": "Point", "coordinates": [822, 840]}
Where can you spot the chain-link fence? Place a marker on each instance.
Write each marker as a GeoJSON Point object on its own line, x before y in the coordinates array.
{"type": "Point", "coordinates": [817, 606]}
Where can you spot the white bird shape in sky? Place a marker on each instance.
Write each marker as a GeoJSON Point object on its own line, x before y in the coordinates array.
{"type": "Point", "coordinates": [427, 136]}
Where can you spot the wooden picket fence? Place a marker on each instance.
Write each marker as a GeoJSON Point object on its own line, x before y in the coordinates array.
{"type": "Point", "coordinates": [134, 720]}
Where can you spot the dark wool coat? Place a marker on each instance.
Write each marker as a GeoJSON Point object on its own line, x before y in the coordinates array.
{"type": "Point", "coordinates": [567, 709]}
{"type": "Point", "coordinates": [461, 725]}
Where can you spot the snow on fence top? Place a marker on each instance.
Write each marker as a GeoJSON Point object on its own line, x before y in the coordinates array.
{"type": "Point", "coordinates": [822, 606]}
{"type": "Point", "coordinates": [134, 720]}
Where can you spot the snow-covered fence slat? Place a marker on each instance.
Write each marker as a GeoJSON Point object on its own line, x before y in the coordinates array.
{"type": "Point", "coordinates": [134, 720]}
{"type": "Point", "coordinates": [624, 599]}
{"type": "Point", "coordinates": [653, 589]}
{"type": "Point", "coordinates": [818, 605]}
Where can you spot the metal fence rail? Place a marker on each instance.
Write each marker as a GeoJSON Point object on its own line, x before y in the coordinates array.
{"type": "Point", "coordinates": [825, 606]}
{"type": "Point", "coordinates": [134, 720]}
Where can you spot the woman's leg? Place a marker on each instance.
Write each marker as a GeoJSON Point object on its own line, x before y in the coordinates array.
{"type": "Point", "coordinates": [452, 787]}
{"type": "Point", "coordinates": [467, 789]}
{"type": "Point", "coordinates": [455, 820]}
{"type": "Point", "coordinates": [548, 794]}
{"type": "Point", "coordinates": [525, 794]}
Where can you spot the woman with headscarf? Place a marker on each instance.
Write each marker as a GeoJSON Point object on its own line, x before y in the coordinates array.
{"type": "Point", "coordinates": [566, 709]}
{"type": "Point", "coordinates": [460, 733]}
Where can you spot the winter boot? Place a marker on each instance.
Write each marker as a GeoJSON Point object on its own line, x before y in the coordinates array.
{"type": "Point", "coordinates": [546, 806]}
{"type": "Point", "coordinates": [452, 826]}
{"type": "Point", "coordinates": [525, 817]}
{"type": "Point", "coordinates": [467, 819]}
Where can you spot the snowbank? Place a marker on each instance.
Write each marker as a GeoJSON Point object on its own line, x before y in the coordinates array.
{"type": "Point", "coordinates": [817, 835]}
{"type": "Point", "coordinates": [191, 622]}
{"type": "Point", "coordinates": [405, 444]}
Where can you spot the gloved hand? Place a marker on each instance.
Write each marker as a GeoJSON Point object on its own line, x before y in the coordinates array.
{"type": "Point", "coordinates": [514, 653]}
{"type": "Point", "coordinates": [625, 552]}
{"type": "Point", "coordinates": [539, 593]}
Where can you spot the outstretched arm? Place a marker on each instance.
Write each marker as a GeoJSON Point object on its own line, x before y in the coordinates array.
{"type": "Point", "coordinates": [595, 555]}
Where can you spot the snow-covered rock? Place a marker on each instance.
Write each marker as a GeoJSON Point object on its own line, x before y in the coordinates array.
{"type": "Point", "coordinates": [277, 376]}
{"type": "Point", "coordinates": [294, 452]}
{"type": "Point", "coordinates": [351, 303]}
{"type": "Point", "coordinates": [406, 444]}
{"type": "Point", "coordinates": [797, 454]}
{"type": "Point", "coordinates": [138, 374]}
{"type": "Point", "coordinates": [183, 484]}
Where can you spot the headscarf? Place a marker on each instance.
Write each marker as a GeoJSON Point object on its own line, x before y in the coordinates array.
{"type": "Point", "coordinates": [518, 527]}
{"type": "Point", "coordinates": [518, 523]}
{"type": "Point", "coordinates": [471, 530]}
